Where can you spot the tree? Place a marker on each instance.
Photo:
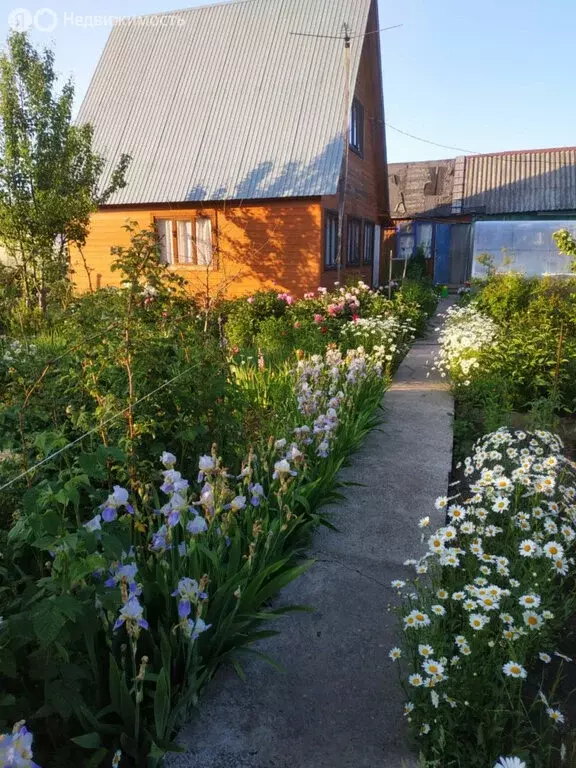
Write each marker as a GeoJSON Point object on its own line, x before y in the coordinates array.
{"type": "Point", "coordinates": [566, 243]}
{"type": "Point", "coordinates": [49, 174]}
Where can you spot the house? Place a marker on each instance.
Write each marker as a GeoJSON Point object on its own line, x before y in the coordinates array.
{"type": "Point", "coordinates": [234, 115]}
{"type": "Point", "coordinates": [506, 204]}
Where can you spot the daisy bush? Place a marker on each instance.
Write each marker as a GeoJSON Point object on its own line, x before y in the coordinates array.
{"type": "Point", "coordinates": [392, 335]}
{"type": "Point", "coordinates": [483, 617]}
{"type": "Point", "coordinates": [467, 335]}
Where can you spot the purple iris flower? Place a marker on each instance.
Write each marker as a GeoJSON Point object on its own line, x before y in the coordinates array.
{"type": "Point", "coordinates": [125, 573]}
{"type": "Point", "coordinates": [118, 499]}
{"type": "Point", "coordinates": [131, 611]}
{"type": "Point", "coordinates": [195, 628]}
{"type": "Point", "coordinates": [160, 540]}
{"type": "Point", "coordinates": [184, 608]}
{"type": "Point", "coordinates": [16, 749]}
{"type": "Point", "coordinates": [197, 525]}
{"type": "Point", "coordinates": [94, 524]}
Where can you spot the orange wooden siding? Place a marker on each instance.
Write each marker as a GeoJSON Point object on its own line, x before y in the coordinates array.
{"type": "Point", "coordinates": [273, 245]}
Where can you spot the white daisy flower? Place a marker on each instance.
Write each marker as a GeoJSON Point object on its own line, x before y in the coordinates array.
{"type": "Point", "coordinates": [478, 621]}
{"type": "Point", "coordinates": [395, 653]}
{"type": "Point", "coordinates": [513, 669]}
{"type": "Point", "coordinates": [532, 619]}
{"type": "Point", "coordinates": [527, 548]}
{"type": "Point", "coordinates": [555, 714]}
{"type": "Point", "coordinates": [529, 601]}
{"type": "Point", "coordinates": [416, 680]}
{"type": "Point", "coordinates": [545, 657]}
{"type": "Point", "coordinates": [425, 650]}
{"type": "Point", "coordinates": [433, 668]}
{"type": "Point", "coordinates": [510, 762]}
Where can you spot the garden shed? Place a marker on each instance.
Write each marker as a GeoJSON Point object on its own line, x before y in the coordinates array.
{"type": "Point", "coordinates": [506, 205]}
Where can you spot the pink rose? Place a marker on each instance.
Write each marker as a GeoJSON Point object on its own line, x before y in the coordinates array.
{"type": "Point", "coordinates": [250, 299]}
{"type": "Point", "coordinates": [289, 299]}
{"type": "Point", "coordinates": [318, 319]}
{"type": "Point", "coordinates": [296, 325]}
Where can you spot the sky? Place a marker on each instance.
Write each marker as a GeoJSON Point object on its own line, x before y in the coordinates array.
{"type": "Point", "coordinates": [485, 76]}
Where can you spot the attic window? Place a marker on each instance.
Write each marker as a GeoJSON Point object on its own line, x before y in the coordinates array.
{"type": "Point", "coordinates": [357, 128]}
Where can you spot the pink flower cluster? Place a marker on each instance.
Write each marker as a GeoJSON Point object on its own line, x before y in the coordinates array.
{"type": "Point", "coordinates": [287, 298]}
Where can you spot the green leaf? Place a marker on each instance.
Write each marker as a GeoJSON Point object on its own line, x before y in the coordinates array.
{"type": "Point", "coordinates": [88, 740]}
{"type": "Point", "coordinates": [47, 623]}
{"type": "Point", "coordinates": [162, 704]}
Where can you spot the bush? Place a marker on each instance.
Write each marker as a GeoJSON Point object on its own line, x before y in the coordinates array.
{"type": "Point", "coordinates": [493, 608]}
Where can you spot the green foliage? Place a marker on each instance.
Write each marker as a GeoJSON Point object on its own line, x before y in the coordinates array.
{"type": "Point", "coordinates": [416, 267]}
{"type": "Point", "coordinates": [48, 172]}
{"type": "Point", "coordinates": [566, 243]}
{"type": "Point", "coordinates": [111, 381]}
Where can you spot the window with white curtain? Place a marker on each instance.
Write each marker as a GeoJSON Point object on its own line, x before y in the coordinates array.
{"type": "Point", "coordinates": [185, 243]}
{"type": "Point", "coordinates": [165, 240]}
{"type": "Point", "coordinates": [203, 241]}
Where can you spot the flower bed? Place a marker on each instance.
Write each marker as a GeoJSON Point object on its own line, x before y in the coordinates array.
{"type": "Point", "coordinates": [121, 603]}
{"type": "Point", "coordinates": [482, 627]}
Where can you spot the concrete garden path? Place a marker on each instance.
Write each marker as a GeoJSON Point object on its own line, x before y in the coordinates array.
{"type": "Point", "coordinates": [339, 704]}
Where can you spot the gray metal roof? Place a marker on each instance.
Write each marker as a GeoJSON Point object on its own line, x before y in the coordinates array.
{"type": "Point", "coordinates": [226, 103]}
{"type": "Point", "coordinates": [421, 189]}
{"type": "Point", "coordinates": [520, 182]}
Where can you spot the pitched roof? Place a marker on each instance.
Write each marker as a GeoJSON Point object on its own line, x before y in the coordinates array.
{"type": "Point", "coordinates": [421, 189]}
{"type": "Point", "coordinates": [527, 181]}
{"type": "Point", "coordinates": [224, 102]}
{"type": "Point", "coordinates": [520, 182]}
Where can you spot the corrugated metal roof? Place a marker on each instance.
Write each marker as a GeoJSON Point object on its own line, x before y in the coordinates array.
{"type": "Point", "coordinates": [421, 189]}
{"type": "Point", "coordinates": [520, 182]}
{"type": "Point", "coordinates": [228, 105]}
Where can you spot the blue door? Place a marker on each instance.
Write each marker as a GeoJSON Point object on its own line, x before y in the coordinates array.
{"type": "Point", "coordinates": [442, 254]}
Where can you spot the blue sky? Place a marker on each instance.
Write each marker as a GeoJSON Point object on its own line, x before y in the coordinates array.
{"type": "Point", "coordinates": [490, 76]}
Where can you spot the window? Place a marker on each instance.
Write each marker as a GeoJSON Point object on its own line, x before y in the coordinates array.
{"type": "Point", "coordinates": [354, 240]}
{"type": "Point", "coordinates": [185, 241]}
{"type": "Point", "coordinates": [330, 239]}
{"type": "Point", "coordinates": [165, 240]}
{"type": "Point", "coordinates": [368, 251]}
{"type": "Point", "coordinates": [357, 128]}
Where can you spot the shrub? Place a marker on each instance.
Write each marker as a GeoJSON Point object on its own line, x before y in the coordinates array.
{"type": "Point", "coordinates": [493, 607]}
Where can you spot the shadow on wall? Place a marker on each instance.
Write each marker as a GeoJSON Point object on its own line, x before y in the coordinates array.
{"type": "Point", "coordinates": [266, 237]}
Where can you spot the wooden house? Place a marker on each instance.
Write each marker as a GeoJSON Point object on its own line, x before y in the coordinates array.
{"type": "Point", "coordinates": [235, 118]}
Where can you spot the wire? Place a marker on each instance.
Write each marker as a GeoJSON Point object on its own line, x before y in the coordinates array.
{"type": "Point", "coordinates": [510, 158]}
{"type": "Point", "coordinates": [95, 429]}
{"type": "Point", "coordinates": [346, 37]}
{"type": "Point", "coordinates": [428, 141]}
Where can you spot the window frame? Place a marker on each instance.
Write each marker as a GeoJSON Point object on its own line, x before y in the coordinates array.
{"type": "Point", "coordinates": [330, 215]}
{"type": "Point", "coordinates": [354, 220]}
{"type": "Point", "coordinates": [368, 224]}
{"type": "Point", "coordinates": [357, 127]}
{"type": "Point", "coordinates": [193, 217]}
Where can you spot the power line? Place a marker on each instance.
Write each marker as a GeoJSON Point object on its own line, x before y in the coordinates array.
{"type": "Point", "coordinates": [429, 141]}
{"type": "Point", "coordinates": [95, 429]}
{"type": "Point", "coordinates": [510, 158]}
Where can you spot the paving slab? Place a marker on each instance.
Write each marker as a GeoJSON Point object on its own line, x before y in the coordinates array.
{"type": "Point", "coordinates": [339, 704]}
